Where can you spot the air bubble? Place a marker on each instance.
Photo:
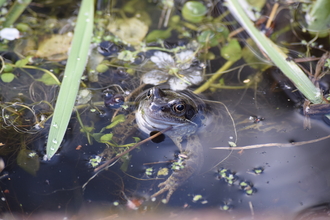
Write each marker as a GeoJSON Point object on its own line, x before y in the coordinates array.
{"type": "Point", "coordinates": [54, 141]}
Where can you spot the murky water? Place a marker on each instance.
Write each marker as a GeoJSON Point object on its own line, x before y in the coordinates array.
{"type": "Point", "coordinates": [278, 180]}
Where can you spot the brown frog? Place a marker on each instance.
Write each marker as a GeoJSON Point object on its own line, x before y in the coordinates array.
{"type": "Point", "coordinates": [195, 124]}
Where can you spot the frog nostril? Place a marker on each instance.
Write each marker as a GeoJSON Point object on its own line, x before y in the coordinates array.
{"type": "Point", "coordinates": [162, 108]}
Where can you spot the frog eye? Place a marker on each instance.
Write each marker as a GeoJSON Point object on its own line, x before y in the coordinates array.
{"type": "Point", "coordinates": [179, 107]}
{"type": "Point", "coordinates": [149, 93]}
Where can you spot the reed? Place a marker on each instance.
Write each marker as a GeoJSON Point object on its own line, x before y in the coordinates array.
{"type": "Point", "coordinates": [72, 74]}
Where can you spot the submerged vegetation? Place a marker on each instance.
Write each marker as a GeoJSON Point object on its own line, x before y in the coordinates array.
{"type": "Point", "coordinates": [64, 62]}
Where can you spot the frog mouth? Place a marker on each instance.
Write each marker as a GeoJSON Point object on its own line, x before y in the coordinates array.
{"type": "Point", "coordinates": [149, 122]}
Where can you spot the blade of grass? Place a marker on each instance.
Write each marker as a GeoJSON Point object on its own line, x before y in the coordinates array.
{"type": "Point", "coordinates": [73, 71]}
{"type": "Point", "coordinates": [279, 58]}
{"type": "Point", "coordinates": [15, 11]}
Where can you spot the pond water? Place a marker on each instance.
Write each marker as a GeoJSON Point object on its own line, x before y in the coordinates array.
{"type": "Point", "coordinates": [279, 178]}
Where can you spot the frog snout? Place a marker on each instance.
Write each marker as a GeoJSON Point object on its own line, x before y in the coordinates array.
{"type": "Point", "coordinates": [158, 107]}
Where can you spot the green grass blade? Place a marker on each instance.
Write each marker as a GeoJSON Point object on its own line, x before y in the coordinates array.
{"type": "Point", "coordinates": [73, 71]}
{"type": "Point", "coordinates": [15, 11]}
{"type": "Point", "coordinates": [289, 68]}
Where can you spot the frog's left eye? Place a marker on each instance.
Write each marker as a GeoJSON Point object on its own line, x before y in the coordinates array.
{"type": "Point", "coordinates": [179, 107]}
{"type": "Point", "coordinates": [149, 93]}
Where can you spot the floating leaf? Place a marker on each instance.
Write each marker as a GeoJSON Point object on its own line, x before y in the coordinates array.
{"type": "Point", "coordinates": [208, 38]}
{"type": "Point", "coordinates": [130, 30]}
{"type": "Point", "coordinates": [101, 68]}
{"type": "Point", "coordinates": [126, 55]}
{"type": "Point", "coordinates": [232, 51]}
{"type": "Point", "coordinates": [158, 34]}
{"type": "Point", "coordinates": [257, 4]}
{"type": "Point", "coordinates": [163, 172]}
{"type": "Point", "coordinates": [194, 11]}
{"type": "Point", "coordinates": [48, 79]}
{"type": "Point", "coordinates": [318, 18]}
{"type": "Point", "coordinates": [84, 96]}
{"type": "Point", "coordinates": [55, 47]}
{"type": "Point", "coordinates": [28, 160]}
{"type": "Point", "coordinates": [8, 68]}
{"type": "Point", "coordinates": [7, 77]}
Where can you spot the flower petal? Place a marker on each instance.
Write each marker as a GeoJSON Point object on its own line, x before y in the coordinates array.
{"type": "Point", "coordinates": [184, 59]}
{"type": "Point", "coordinates": [162, 60]}
{"type": "Point", "coordinates": [193, 75]}
{"type": "Point", "coordinates": [154, 77]}
{"type": "Point", "coordinates": [177, 84]}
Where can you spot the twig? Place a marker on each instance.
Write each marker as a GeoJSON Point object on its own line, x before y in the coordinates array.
{"type": "Point", "coordinates": [293, 144]}
{"type": "Point", "coordinates": [108, 162]}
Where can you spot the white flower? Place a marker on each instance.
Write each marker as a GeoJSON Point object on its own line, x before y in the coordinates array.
{"type": "Point", "coordinates": [9, 33]}
{"type": "Point", "coordinates": [178, 72]}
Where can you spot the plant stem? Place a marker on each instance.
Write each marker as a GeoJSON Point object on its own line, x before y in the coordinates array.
{"type": "Point", "coordinates": [215, 76]}
{"type": "Point", "coordinates": [15, 11]}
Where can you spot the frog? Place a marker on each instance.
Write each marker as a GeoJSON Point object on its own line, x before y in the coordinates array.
{"type": "Point", "coordinates": [191, 121]}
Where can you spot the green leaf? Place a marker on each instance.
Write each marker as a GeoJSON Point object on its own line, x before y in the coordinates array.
{"type": "Point", "coordinates": [116, 120]}
{"type": "Point", "coordinates": [28, 160]}
{"type": "Point", "coordinates": [21, 63]}
{"type": "Point", "coordinates": [207, 37]}
{"type": "Point", "coordinates": [8, 68]}
{"type": "Point", "coordinates": [106, 138]}
{"type": "Point", "coordinates": [289, 68]}
{"type": "Point", "coordinates": [74, 69]}
{"type": "Point", "coordinates": [7, 77]}
{"type": "Point", "coordinates": [158, 34]}
{"type": "Point", "coordinates": [97, 137]}
{"type": "Point", "coordinates": [194, 11]}
{"type": "Point", "coordinates": [232, 51]}
{"type": "Point", "coordinates": [125, 160]}
{"type": "Point", "coordinates": [253, 57]}
{"type": "Point", "coordinates": [48, 79]}
{"type": "Point", "coordinates": [318, 18]}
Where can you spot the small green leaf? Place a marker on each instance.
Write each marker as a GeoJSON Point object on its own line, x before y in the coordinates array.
{"type": "Point", "coordinates": [101, 68]}
{"type": "Point", "coordinates": [257, 4]}
{"type": "Point", "coordinates": [158, 34]}
{"type": "Point", "coordinates": [23, 62]}
{"type": "Point", "coordinates": [232, 51]}
{"type": "Point", "coordinates": [106, 138]}
{"type": "Point", "coordinates": [207, 38]}
{"type": "Point", "coordinates": [126, 55]}
{"type": "Point", "coordinates": [232, 144]}
{"type": "Point", "coordinates": [28, 160]}
{"type": "Point", "coordinates": [97, 137]}
{"type": "Point", "coordinates": [125, 160]}
{"type": "Point", "coordinates": [8, 68]}
{"type": "Point", "coordinates": [118, 119]}
{"type": "Point", "coordinates": [136, 139]}
{"type": "Point", "coordinates": [7, 77]}
{"type": "Point", "coordinates": [197, 197]}
{"type": "Point", "coordinates": [194, 11]}
{"type": "Point", "coordinates": [48, 80]}
{"type": "Point", "coordinates": [87, 129]}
